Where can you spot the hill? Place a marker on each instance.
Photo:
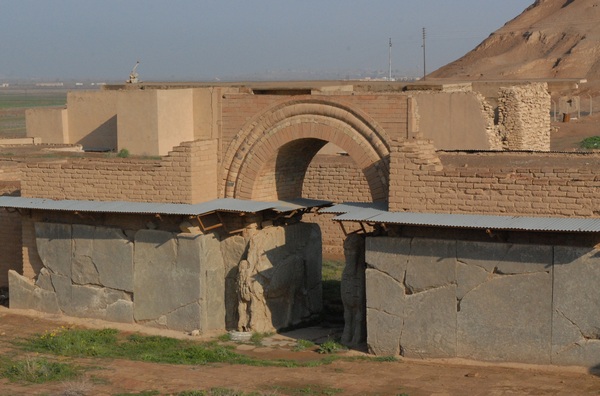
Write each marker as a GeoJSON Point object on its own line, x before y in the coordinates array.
{"type": "Point", "coordinates": [550, 39]}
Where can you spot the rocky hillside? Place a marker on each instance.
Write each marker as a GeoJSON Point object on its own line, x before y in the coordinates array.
{"type": "Point", "coordinates": [550, 39]}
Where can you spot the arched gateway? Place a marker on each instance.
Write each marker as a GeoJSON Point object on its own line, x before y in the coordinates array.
{"type": "Point", "coordinates": [268, 158]}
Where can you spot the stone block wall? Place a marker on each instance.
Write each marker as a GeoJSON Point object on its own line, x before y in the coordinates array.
{"type": "Point", "coordinates": [187, 175]}
{"type": "Point", "coordinates": [526, 184]}
{"type": "Point", "coordinates": [483, 300]}
{"type": "Point", "coordinates": [263, 280]}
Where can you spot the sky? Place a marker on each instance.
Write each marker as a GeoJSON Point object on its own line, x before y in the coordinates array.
{"type": "Point", "coordinates": [209, 40]}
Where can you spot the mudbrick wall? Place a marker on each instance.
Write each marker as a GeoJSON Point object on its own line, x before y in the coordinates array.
{"type": "Point", "coordinates": [187, 175]}
{"type": "Point", "coordinates": [528, 303]}
{"type": "Point", "coordinates": [335, 178]}
{"type": "Point", "coordinates": [503, 183]}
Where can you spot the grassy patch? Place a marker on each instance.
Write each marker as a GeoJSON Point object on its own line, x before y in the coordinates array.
{"type": "Point", "coordinates": [314, 390]}
{"type": "Point", "coordinates": [37, 370]}
{"type": "Point", "coordinates": [591, 143]}
{"type": "Point", "coordinates": [108, 343]}
{"type": "Point", "coordinates": [209, 392]}
{"type": "Point", "coordinates": [257, 338]}
{"type": "Point", "coordinates": [302, 345]}
{"type": "Point", "coordinates": [330, 346]}
{"type": "Point", "coordinates": [332, 270]}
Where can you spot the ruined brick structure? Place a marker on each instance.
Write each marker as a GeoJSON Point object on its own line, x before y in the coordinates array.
{"type": "Point", "coordinates": [400, 148]}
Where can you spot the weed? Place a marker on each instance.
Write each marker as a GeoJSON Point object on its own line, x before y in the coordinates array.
{"type": "Point", "coordinates": [37, 370]}
{"type": "Point", "coordinates": [80, 387]}
{"type": "Point", "coordinates": [389, 358]}
{"type": "Point", "coordinates": [308, 390]}
{"type": "Point", "coordinates": [257, 338]}
{"type": "Point", "coordinates": [590, 143]}
{"type": "Point", "coordinates": [330, 346]}
{"type": "Point", "coordinates": [224, 337]}
{"type": "Point", "coordinates": [302, 345]}
{"type": "Point", "coordinates": [123, 153]}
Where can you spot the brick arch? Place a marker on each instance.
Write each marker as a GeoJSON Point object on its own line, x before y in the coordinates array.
{"type": "Point", "coordinates": [266, 141]}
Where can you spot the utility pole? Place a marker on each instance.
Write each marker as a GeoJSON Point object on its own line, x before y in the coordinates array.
{"type": "Point", "coordinates": [424, 56]}
{"type": "Point", "coordinates": [390, 60]}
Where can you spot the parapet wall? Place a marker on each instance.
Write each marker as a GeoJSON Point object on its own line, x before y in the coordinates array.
{"type": "Point", "coordinates": [525, 184]}
{"type": "Point", "coordinates": [187, 175]}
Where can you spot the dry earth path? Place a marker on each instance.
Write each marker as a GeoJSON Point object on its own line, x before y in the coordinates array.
{"type": "Point", "coordinates": [349, 377]}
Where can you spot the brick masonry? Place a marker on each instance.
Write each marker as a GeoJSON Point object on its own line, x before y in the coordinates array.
{"type": "Point", "coordinates": [337, 179]}
{"type": "Point", "coordinates": [521, 184]}
{"type": "Point", "coordinates": [187, 175]}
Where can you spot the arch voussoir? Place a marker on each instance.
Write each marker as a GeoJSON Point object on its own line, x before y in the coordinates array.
{"type": "Point", "coordinates": [304, 118]}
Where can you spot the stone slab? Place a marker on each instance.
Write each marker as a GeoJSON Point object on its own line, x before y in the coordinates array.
{"type": "Point", "coordinates": [384, 332]}
{"type": "Point", "coordinates": [388, 255]}
{"type": "Point", "coordinates": [54, 247]}
{"type": "Point", "coordinates": [430, 324]}
{"type": "Point", "coordinates": [432, 264]}
{"type": "Point", "coordinates": [507, 318]}
{"type": "Point", "coordinates": [576, 319]}
{"type": "Point", "coordinates": [158, 272]}
{"type": "Point", "coordinates": [505, 258]}
{"type": "Point", "coordinates": [84, 272]}
{"type": "Point", "coordinates": [24, 295]}
{"type": "Point", "coordinates": [113, 258]}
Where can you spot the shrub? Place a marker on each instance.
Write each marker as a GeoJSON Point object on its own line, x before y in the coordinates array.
{"type": "Point", "coordinates": [123, 153]}
{"type": "Point", "coordinates": [590, 143]}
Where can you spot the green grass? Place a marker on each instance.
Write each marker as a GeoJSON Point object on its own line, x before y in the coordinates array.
{"type": "Point", "coordinates": [12, 100]}
{"type": "Point", "coordinates": [37, 370]}
{"type": "Point", "coordinates": [14, 104]}
{"type": "Point", "coordinates": [257, 338]}
{"type": "Point", "coordinates": [332, 270]}
{"type": "Point", "coordinates": [109, 343]}
{"type": "Point", "coordinates": [330, 346]}
{"type": "Point", "coordinates": [590, 143]}
{"type": "Point", "coordinates": [302, 345]}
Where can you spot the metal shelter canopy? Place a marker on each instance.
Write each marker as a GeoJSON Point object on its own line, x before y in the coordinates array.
{"type": "Point", "coordinates": [364, 213]}
{"type": "Point", "coordinates": [217, 205]}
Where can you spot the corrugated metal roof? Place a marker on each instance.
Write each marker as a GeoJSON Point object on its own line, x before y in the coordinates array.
{"type": "Point", "coordinates": [520, 223]}
{"type": "Point", "coordinates": [224, 205]}
{"type": "Point", "coordinates": [299, 203]}
{"type": "Point", "coordinates": [348, 207]}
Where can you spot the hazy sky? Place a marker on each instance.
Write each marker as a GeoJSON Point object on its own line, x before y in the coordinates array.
{"type": "Point", "coordinates": [204, 40]}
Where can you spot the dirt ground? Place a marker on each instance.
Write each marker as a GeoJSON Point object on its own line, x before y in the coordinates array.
{"type": "Point", "coordinates": [410, 377]}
